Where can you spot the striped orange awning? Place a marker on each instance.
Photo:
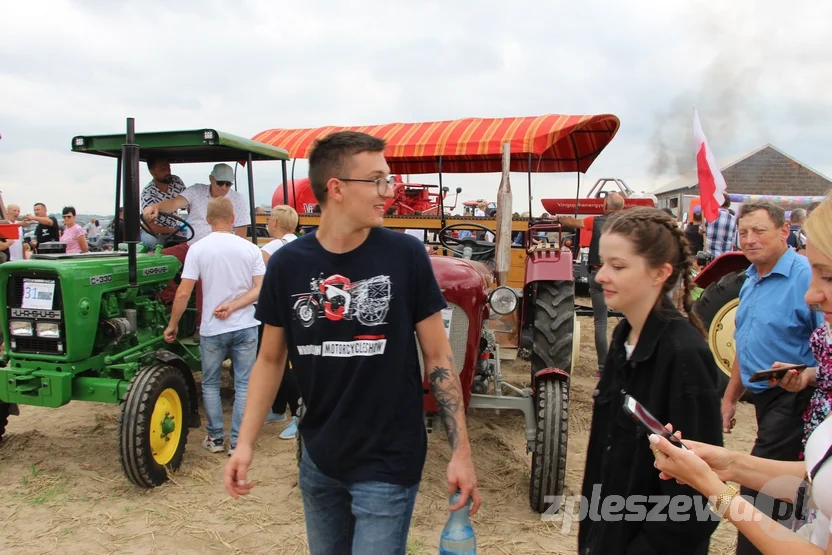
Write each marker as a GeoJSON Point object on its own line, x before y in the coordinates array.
{"type": "Point", "coordinates": [556, 143]}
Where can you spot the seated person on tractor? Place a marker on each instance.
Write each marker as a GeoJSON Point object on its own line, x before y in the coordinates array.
{"type": "Point", "coordinates": [195, 198]}
{"type": "Point", "coordinates": [164, 186]}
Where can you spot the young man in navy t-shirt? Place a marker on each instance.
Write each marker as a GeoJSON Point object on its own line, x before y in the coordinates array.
{"type": "Point", "coordinates": [343, 304]}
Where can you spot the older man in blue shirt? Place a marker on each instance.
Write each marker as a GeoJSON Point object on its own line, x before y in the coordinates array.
{"type": "Point", "coordinates": [773, 323]}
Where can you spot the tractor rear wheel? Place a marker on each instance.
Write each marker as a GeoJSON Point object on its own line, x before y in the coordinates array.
{"type": "Point", "coordinates": [552, 347]}
{"type": "Point", "coordinates": [554, 322]}
{"type": "Point", "coordinates": [717, 308]}
{"type": "Point", "coordinates": [153, 428]}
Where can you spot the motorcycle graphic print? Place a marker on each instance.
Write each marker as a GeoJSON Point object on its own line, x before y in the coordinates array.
{"type": "Point", "coordinates": [336, 298]}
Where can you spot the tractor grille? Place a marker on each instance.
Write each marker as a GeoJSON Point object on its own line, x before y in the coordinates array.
{"type": "Point", "coordinates": [458, 337]}
{"type": "Point", "coordinates": [14, 311]}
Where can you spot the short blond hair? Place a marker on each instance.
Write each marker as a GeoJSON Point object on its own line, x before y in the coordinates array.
{"type": "Point", "coordinates": [818, 226]}
{"type": "Point", "coordinates": [220, 209]}
{"type": "Point", "coordinates": [285, 216]}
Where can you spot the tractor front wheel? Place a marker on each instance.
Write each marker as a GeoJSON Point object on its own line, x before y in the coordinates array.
{"type": "Point", "coordinates": [153, 429]}
{"type": "Point", "coordinates": [549, 456]}
{"type": "Point", "coordinates": [717, 308]}
{"type": "Point", "coordinates": [552, 347]}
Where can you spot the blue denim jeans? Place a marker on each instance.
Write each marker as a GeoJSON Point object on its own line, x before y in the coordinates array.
{"type": "Point", "coordinates": [362, 517]}
{"type": "Point", "coordinates": [148, 240]}
{"type": "Point", "coordinates": [241, 345]}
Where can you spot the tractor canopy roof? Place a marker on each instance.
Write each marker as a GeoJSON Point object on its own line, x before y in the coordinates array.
{"type": "Point", "coordinates": [547, 143]}
{"type": "Point", "coordinates": [196, 145]}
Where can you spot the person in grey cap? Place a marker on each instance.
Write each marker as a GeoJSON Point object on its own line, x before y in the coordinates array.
{"type": "Point", "coordinates": [195, 198]}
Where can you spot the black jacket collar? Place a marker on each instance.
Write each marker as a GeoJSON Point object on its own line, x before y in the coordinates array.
{"type": "Point", "coordinates": [654, 327]}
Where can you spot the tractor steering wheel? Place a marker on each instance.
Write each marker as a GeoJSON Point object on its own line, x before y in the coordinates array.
{"type": "Point", "coordinates": [165, 238]}
{"type": "Point", "coordinates": [451, 243]}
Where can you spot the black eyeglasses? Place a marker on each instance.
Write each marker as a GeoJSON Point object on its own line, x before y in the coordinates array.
{"type": "Point", "coordinates": [67, 216]}
{"type": "Point", "coordinates": [382, 183]}
{"type": "Point", "coordinates": [225, 183]}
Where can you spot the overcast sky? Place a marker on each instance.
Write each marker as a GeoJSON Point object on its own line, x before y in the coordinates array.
{"type": "Point", "coordinates": [758, 70]}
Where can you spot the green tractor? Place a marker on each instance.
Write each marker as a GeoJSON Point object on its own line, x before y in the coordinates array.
{"type": "Point", "coordinates": [89, 327]}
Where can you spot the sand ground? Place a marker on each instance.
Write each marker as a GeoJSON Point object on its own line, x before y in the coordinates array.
{"type": "Point", "coordinates": [62, 489]}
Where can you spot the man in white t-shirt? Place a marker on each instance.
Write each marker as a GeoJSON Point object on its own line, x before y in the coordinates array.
{"type": "Point", "coordinates": [195, 198]}
{"type": "Point", "coordinates": [231, 269]}
{"type": "Point", "coordinates": [14, 247]}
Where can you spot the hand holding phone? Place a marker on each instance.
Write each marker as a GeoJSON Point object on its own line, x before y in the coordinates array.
{"type": "Point", "coordinates": [775, 373]}
{"type": "Point", "coordinates": [649, 422]}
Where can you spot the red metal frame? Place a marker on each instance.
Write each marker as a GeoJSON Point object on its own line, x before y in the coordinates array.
{"type": "Point", "coordinates": [547, 264]}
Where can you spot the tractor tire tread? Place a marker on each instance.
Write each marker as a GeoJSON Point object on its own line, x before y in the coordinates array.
{"type": "Point", "coordinates": [713, 298]}
{"type": "Point", "coordinates": [554, 310]}
{"type": "Point", "coordinates": [548, 472]}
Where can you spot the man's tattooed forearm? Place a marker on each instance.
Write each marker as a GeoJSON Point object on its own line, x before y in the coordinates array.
{"type": "Point", "coordinates": [448, 395]}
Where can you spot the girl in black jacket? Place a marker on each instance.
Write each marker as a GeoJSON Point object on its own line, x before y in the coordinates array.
{"type": "Point", "coordinates": [659, 357]}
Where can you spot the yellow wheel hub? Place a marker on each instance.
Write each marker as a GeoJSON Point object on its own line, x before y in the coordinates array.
{"type": "Point", "coordinates": [721, 336]}
{"type": "Point", "coordinates": [166, 426]}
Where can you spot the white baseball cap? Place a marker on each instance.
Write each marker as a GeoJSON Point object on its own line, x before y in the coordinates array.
{"type": "Point", "coordinates": [223, 172]}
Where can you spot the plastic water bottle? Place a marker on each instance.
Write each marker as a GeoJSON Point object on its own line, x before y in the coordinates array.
{"type": "Point", "coordinates": [458, 534]}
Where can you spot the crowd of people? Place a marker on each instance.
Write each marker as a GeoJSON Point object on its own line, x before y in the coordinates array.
{"type": "Point", "coordinates": [48, 230]}
{"type": "Point", "coordinates": [284, 315]}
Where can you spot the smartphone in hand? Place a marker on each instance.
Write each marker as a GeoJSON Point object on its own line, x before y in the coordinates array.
{"type": "Point", "coordinates": [776, 373]}
{"type": "Point", "coordinates": [641, 415]}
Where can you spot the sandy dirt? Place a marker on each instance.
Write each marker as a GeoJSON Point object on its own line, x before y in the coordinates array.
{"type": "Point", "coordinates": [62, 489]}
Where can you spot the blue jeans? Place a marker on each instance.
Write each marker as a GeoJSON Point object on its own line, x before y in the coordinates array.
{"type": "Point", "coordinates": [148, 240]}
{"type": "Point", "coordinates": [242, 346]}
{"type": "Point", "coordinates": [362, 517]}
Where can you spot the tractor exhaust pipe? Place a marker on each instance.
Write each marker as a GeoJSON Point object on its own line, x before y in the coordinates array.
{"type": "Point", "coordinates": [502, 254]}
{"type": "Point", "coordinates": [130, 180]}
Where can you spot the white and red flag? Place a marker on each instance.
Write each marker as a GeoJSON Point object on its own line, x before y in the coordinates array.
{"type": "Point", "coordinates": [711, 183]}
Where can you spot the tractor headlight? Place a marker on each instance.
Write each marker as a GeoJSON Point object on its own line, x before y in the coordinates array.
{"type": "Point", "coordinates": [20, 328]}
{"type": "Point", "coordinates": [503, 300]}
{"type": "Point", "coordinates": [48, 330]}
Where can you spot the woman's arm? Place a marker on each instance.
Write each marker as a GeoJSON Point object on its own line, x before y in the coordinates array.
{"type": "Point", "coordinates": [82, 242]}
{"type": "Point", "coordinates": [780, 479]}
{"type": "Point", "coordinates": [766, 535]}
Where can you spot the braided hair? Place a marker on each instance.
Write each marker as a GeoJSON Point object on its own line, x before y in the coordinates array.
{"type": "Point", "coordinates": [657, 238]}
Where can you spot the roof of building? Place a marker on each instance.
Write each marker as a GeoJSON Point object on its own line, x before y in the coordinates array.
{"type": "Point", "coordinates": [691, 179]}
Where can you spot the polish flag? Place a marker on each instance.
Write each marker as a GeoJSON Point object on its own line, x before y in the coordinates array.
{"type": "Point", "coordinates": [711, 183]}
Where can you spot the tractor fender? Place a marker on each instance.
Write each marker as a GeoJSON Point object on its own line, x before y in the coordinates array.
{"type": "Point", "coordinates": [557, 373]}
{"type": "Point", "coordinates": [726, 263]}
{"type": "Point", "coordinates": [549, 265]}
{"type": "Point", "coordinates": [172, 359]}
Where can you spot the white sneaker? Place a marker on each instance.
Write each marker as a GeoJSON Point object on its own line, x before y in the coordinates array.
{"type": "Point", "coordinates": [291, 430]}
{"type": "Point", "coordinates": [213, 445]}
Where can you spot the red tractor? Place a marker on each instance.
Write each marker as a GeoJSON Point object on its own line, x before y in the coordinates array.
{"type": "Point", "coordinates": [485, 314]}
{"type": "Point", "coordinates": [408, 198]}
